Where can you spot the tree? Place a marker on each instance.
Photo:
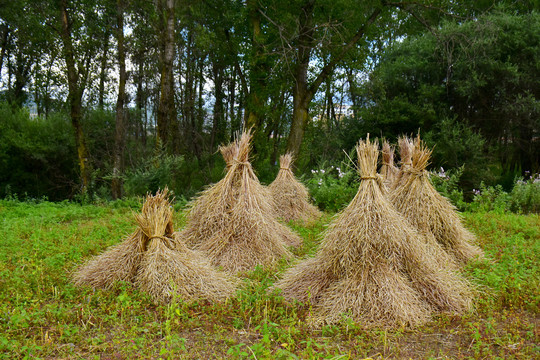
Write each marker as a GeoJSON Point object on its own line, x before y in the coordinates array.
{"type": "Point", "coordinates": [119, 137]}
{"type": "Point", "coordinates": [166, 113]}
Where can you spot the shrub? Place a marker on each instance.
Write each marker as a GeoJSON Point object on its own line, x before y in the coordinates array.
{"type": "Point", "coordinates": [525, 196]}
{"type": "Point", "coordinates": [332, 188]}
{"type": "Point", "coordinates": [447, 184]}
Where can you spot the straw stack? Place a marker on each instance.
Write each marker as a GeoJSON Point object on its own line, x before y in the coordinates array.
{"type": "Point", "coordinates": [431, 213]}
{"type": "Point", "coordinates": [233, 222]}
{"type": "Point", "coordinates": [291, 198]}
{"type": "Point", "coordinates": [389, 171]}
{"type": "Point", "coordinates": [373, 266]}
{"type": "Point", "coordinates": [406, 148]}
{"type": "Point", "coordinates": [161, 266]}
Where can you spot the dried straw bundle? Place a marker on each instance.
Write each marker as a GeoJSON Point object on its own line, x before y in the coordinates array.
{"type": "Point", "coordinates": [233, 222]}
{"type": "Point", "coordinates": [155, 262]}
{"type": "Point", "coordinates": [431, 213]}
{"type": "Point", "coordinates": [291, 198]}
{"type": "Point", "coordinates": [389, 171]}
{"type": "Point", "coordinates": [119, 263]}
{"type": "Point", "coordinates": [406, 149]}
{"type": "Point", "coordinates": [373, 266]}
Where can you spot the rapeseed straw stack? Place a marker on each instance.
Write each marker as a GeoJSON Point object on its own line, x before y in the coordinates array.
{"type": "Point", "coordinates": [406, 148]}
{"type": "Point", "coordinates": [388, 170]}
{"type": "Point", "coordinates": [233, 222]}
{"type": "Point", "coordinates": [155, 262]}
{"type": "Point", "coordinates": [373, 266]}
{"type": "Point", "coordinates": [168, 268]}
{"type": "Point", "coordinates": [431, 213]}
{"type": "Point", "coordinates": [291, 198]}
{"type": "Point", "coordinates": [118, 263]}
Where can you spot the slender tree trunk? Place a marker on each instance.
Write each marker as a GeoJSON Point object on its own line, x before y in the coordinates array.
{"type": "Point", "coordinates": [139, 96]}
{"type": "Point", "coordinates": [5, 39]}
{"type": "Point", "coordinates": [166, 113]}
{"type": "Point", "coordinates": [302, 92]}
{"type": "Point", "coordinates": [103, 71]}
{"type": "Point", "coordinates": [218, 119]}
{"type": "Point", "coordinates": [232, 101]}
{"type": "Point", "coordinates": [256, 98]}
{"type": "Point", "coordinates": [119, 137]}
{"type": "Point", "coordinates": [75, 93]}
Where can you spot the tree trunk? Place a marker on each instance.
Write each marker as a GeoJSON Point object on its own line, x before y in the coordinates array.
{"type": "Point", "coordinates": [5, 38]}
{"type": "Point", "coordinates": [302, 93]}
{"type": "Point", "coordinates": [256, 98]}
{"type": "Point", "coordinates": [119, 137]}
{"type": "Point", "coordinates": [103, 71]}
{"type": "Point", "coordinates": [217, 124]}
{"type": "Point", "coordinates": [166, 113]}
{"type": "Point", "coordinates": [75, 93]}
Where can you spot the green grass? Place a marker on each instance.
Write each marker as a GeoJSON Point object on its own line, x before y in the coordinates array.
{"type": "Point", "coordinates": [42, 315]}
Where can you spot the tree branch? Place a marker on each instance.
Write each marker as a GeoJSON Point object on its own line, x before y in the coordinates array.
{"type": "Point", "coordinates": [328, 68]}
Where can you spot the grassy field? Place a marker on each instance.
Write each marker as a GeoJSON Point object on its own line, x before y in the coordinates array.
{"type": "Point", "coordinates": [42, 315]}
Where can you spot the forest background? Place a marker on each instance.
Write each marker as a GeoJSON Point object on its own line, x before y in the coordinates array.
{"type": "Point", "coordinates": [102, 99]}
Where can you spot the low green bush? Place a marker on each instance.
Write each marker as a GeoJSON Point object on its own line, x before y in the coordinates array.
{"type": "Point", "coordinates": [332, 187]}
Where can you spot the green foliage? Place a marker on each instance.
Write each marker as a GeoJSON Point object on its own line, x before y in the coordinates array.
{"type": "Point", "coordinates": [37, 155]}
{"type": "Point", "coordinates": [525, 196]}
{"type": "Point", "coordinates": [447, 184]}
{"type": "Point", "coordinates": [332, 188]}
{"type": "Point", "coordinates": [472, 89]}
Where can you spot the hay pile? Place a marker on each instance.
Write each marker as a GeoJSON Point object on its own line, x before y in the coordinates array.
{"type": "Point", "coordinates": [431, 213]}
{"type": "Point", "coordinates": [233, 222]}
{"type": "Point", "coordinates": [155, 262]}
{"type": "Point", "coordinates": [291, 198]}
{"type": "Point", "coordinates": [373, 266]}
{"type": "Point", "coordinates": [406, 149]}
{"type": "Point", "coordinates": [389, 171]}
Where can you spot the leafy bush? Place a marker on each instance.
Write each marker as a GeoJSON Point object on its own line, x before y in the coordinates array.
{"type": "Point", "coordinates": [525, 196]}
{"type": "Point", "coordinates": [447, 184]}
{"type": "Point", "coordinates": [331, 187]}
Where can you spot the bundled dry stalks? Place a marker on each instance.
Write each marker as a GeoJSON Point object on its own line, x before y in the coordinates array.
{"type": "Point", "coordinates": [406, 149]}
{"type": "Point", "coordinates": [233, 222]}
{"type": "Point", "coordinates": [389, 171]}
{"type": "Point", "coordinates": [431, 213]}
{"type": "Point", "coordinates": [291, 198]}
{"type": "Point", "coordinates": [373, 266]}
{"type": "Point", "coordinates": [161, 266]}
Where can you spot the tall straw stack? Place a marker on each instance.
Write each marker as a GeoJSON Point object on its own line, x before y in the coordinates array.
{"type": "Point", "coordinates": [163, 267]}
{"type": "Point", "coordinates": [233, 222]}
{"type": "Point", "coordinates": [291, 198]}
{"type": "Point", "coordinates": [373, 266]}
{"type": "Point", "coordinates": [389, 171]}
{"type": "Point", "coordinates": [406, 149]}
{"type": "Point", "coordinates": [431, 213]}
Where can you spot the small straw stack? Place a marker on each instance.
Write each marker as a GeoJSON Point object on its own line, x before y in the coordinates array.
{"type": "Point", "coordinates": [389, 171]}
{"type": "Point", "coordinates": [291, 198]}
{"type": "Point", "coordinates": [431, 213]}
{"type": "Point", "coordinates": [406, 149]}
{"type": "Point", "coordinates": [373, 266]}
{"type": "Point", "coordinates": [233, 222]}
{"type": "Point", "coordinates": [161, 266]}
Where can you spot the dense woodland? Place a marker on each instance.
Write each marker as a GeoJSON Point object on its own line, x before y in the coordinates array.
{"type": "Point", "coordinates": [103, 98]}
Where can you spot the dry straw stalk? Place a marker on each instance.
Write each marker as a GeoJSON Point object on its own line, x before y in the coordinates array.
{"type": "Point", "coordinates": [233, 222]}
{"type": "Point", "coordinates": [291, 198]}
{"type": "Point", "coordinates": [431, 213]}
{"type": "Point", "coordinates": [389, 171]}
{"type": "Point", "coordinates": [373, 266]}
{"type": "Point", "coordinates": [155, 262]}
